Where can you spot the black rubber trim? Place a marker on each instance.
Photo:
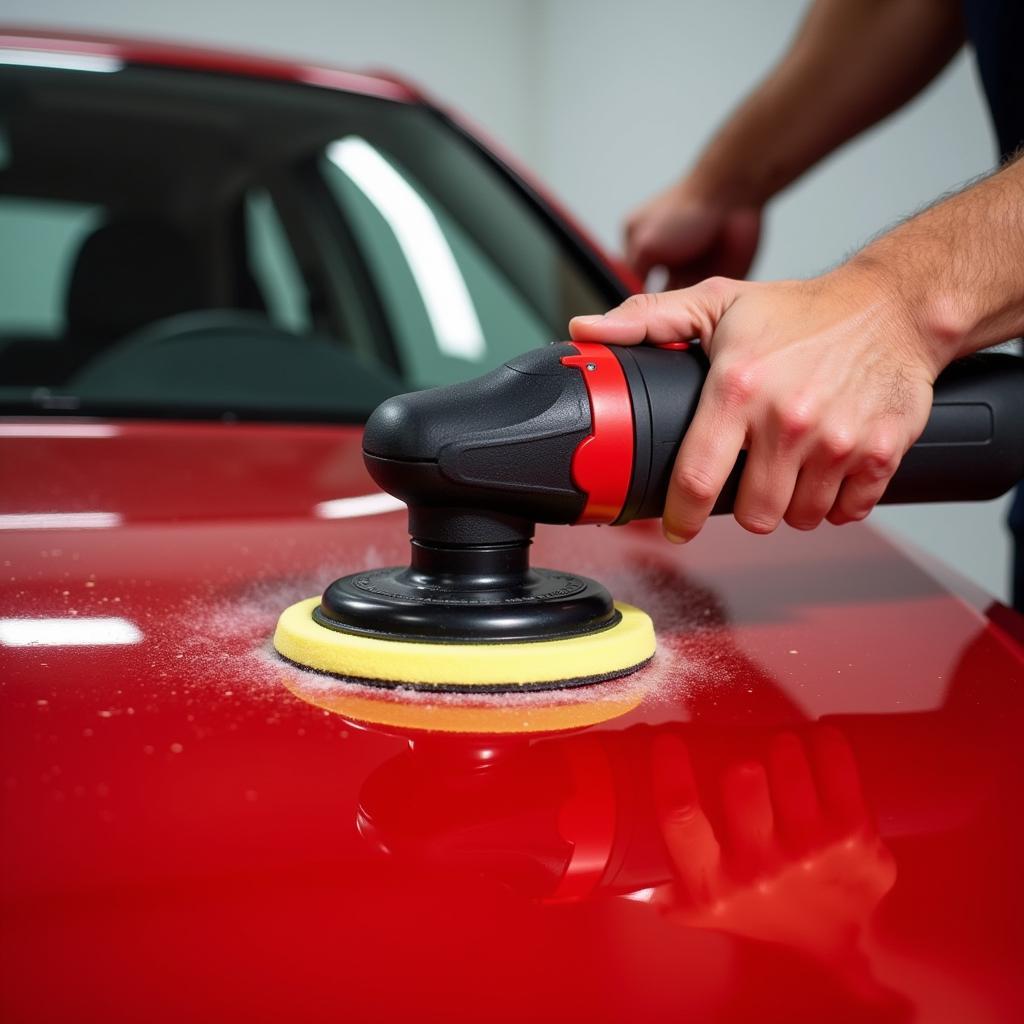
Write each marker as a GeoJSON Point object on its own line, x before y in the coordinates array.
{"type": "Point", "coordinates": [466, 688]}
{"type": "Point", "coordinates": [375, 634]}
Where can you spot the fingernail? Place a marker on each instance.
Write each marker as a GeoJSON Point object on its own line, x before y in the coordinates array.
{"type": "Point", "coordinates": [595, 318]}
{"type": "Point", "coordinates": [674, 537]}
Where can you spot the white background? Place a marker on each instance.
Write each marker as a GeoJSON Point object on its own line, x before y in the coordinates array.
{"type": "Point", "coordinates": [607, 102]}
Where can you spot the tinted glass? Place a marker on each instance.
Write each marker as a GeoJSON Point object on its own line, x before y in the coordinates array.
{"type": "Point", "coordinates": [38, 242]}
{"type": "Point", "coordinates": [177, 243]}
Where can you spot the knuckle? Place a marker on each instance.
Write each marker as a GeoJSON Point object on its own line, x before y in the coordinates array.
{"type": "Point", "coordinates": [795, 421]}
{"type": "Point", "coordinates": [641, 302]}
{"type": "Point", "coordinates": [737, 383]}
{"type": "Point", "coordinates": [881, 459]}
{"type": "Point", "coordinates": [717, 284]}
{"type": "Point", "coordinates": [696, 484]}
{"type": "Point", "coordinates": [837, 444]}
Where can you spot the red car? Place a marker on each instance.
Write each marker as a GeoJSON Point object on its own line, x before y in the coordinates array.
{"type": "Point", "coordinates": [212, 267]}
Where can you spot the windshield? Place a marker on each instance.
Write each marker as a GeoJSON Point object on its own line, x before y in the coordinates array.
{"type": "Point", "coordinates": [175, 243]}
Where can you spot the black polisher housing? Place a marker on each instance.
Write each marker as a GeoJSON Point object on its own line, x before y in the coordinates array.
{"type": "Point", "coordinates": [480, 463]}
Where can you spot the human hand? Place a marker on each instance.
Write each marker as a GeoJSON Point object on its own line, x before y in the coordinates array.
{"type": "Point", "coordinates": [825, 383]}
{"type": "Point", "coordinates": [795, 858]}
{"type": "Point", "coordinates": [691, 235]}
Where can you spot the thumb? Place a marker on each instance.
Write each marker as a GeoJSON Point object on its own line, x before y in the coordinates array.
{"type": "Point", "coordinates": [661, 316]}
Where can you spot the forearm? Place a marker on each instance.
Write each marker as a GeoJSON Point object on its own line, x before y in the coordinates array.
{"type": "Point", "coordinates": [852, 63]}
{"type": "Point", "coordinates": [957, 269]}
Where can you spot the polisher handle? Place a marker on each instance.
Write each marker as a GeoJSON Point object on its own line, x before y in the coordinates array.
{"type": "Point", "coordinates": [972, 447]}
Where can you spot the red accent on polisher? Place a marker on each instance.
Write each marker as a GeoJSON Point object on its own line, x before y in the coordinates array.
{"type": "Point", "coordinates": [602, 464]}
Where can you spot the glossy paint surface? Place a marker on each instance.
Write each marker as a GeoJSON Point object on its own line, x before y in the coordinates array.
{"type": "Point", "coordinates": [808, 808]}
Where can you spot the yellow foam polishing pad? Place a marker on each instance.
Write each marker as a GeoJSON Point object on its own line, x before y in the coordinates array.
{"type": "Point", "coordinates": [467, 667]}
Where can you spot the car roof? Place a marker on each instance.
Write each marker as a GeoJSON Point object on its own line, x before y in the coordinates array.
{"type": "Point", "coordinates": [202, 58]}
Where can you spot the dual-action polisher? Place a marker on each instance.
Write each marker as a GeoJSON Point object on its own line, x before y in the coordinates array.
{"type": "Point", "coordinates": [572, 433]}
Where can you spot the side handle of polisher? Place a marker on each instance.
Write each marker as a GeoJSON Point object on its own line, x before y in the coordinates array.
{"type": "Point", "coordinates": [972, 447]}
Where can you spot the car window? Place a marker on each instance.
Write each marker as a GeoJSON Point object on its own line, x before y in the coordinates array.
{"type": "Point", "coordinates": [174, 243]}
{"type": "Point", "coordinates": [449, 307]}
{"type": "Point", "coordinates": [38, 242]}
{"type": "Point", "coordinates": [272, 262]}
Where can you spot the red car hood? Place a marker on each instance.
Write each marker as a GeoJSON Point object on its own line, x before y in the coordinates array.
{"type": "Point", "coordinates": [811, 813]}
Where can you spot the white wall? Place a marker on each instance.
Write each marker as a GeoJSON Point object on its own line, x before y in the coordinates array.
{"type": "Point", "coordinates": [608, 102]}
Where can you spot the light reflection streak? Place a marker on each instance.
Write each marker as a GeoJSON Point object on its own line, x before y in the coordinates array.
{"type": "Point", "coordinates": [59, 520]}
{"type": "Point", "coordinates": [82, 631]}
{"type": "Point", "coordinates": [358, 505]}
{"type": "Point", "coordinates": [59, 430]}
{"type": "Point", "coordinates": [61, 61]}
{"type": "Point", "coordinates": [445, 296]}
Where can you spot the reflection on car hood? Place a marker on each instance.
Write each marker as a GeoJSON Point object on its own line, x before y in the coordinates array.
{"type": "Point", "coordinates": [807, 807]}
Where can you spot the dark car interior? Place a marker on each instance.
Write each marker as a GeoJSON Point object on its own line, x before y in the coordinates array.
{"type": "Point", "coordinates": [126, 274]}
{"type": "Point", "coordinates": [199, 261]}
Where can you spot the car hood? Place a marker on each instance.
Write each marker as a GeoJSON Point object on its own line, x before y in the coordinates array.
{"type": "Point", "coordinates": [807, 807]}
